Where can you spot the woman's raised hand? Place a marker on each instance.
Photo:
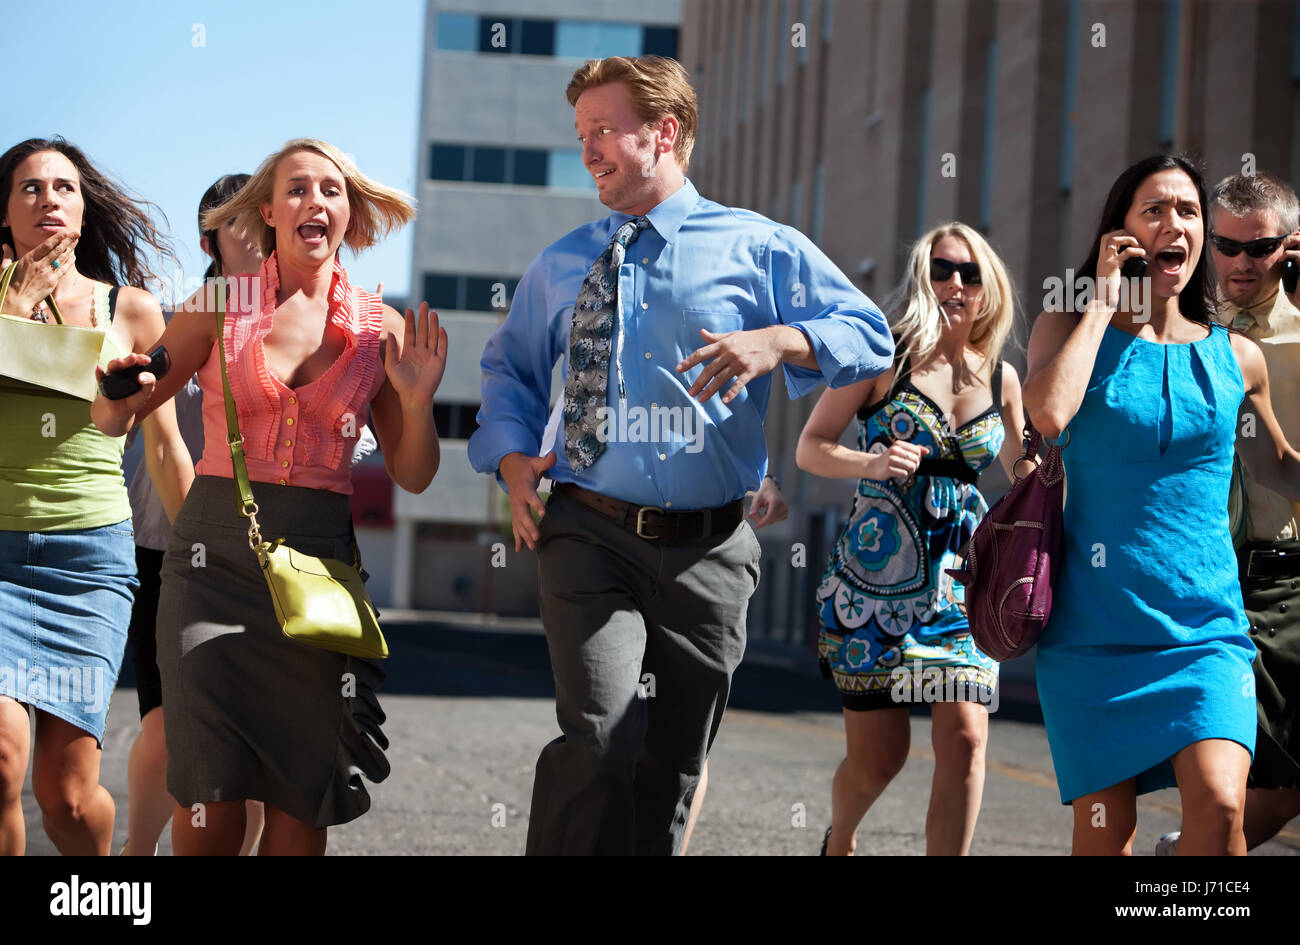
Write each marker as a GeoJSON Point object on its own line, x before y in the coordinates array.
{"type": "Point", "coordinates": [38, 272]}
{"type": "Point", "coordinates": [1116, 248]}
{"type": "Point", "coordinates": [416, 373]}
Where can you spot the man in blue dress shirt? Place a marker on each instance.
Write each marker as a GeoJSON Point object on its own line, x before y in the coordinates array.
{"type": "Point", "coordinates": [671, 313]}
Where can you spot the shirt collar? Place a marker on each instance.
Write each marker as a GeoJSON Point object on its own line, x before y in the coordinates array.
{"type": "Point", "coordinates": [1259, 312]}
{"type": "Point", "coordinates": [667, 216]}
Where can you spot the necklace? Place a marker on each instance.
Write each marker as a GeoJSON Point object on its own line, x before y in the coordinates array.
{"type": "Point", "coordinates": [40, 314]}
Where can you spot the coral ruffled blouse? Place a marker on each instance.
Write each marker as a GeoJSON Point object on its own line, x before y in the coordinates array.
{"type": "Point", "coordinates": [300, 436]}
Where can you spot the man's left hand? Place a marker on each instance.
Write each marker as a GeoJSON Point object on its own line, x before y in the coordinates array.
{"type": "Point", "coordinates": [737, 357]}
{"type": "Point", "coordinates": [768, 506]}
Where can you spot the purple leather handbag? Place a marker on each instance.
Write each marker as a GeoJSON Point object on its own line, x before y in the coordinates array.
{"type": "Point", "coordinates": [1014, 555]}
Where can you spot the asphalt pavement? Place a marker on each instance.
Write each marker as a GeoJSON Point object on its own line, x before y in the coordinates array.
{"type": "Point", "coordinates": [470, 704]}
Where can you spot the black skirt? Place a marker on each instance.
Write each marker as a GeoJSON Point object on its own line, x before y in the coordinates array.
{"type": "Point", "coordinates": [251, 714]}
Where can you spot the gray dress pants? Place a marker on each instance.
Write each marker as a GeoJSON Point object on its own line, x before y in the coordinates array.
{"type": "Point", "coordinates": [644, 636]}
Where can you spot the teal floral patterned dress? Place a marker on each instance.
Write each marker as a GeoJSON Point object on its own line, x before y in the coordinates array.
{"type": "Point", "coordinates": [892, 628]}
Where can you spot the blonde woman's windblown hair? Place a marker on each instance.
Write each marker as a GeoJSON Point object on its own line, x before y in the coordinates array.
{"type": "Point", "coordinates": [376, 210]}
{"type": "Point", "coordinates": [914, 309]}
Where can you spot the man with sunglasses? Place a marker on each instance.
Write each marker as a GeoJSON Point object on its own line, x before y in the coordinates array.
{"type": "Point", "coordinates": [1255, 227]}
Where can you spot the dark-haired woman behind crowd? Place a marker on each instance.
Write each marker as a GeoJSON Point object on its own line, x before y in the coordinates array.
{"type": "Point", "coordinates": [67, 564]}
{"type": "Point", "coordinates": [149, 805]}
{"type": "Point", "coordinates": [1144, 671]}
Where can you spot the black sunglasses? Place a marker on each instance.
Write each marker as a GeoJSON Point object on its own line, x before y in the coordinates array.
{"type": "Point", "coordinates": [1255, 249]}
{"type": "Point", "coordinates": [941, 270]}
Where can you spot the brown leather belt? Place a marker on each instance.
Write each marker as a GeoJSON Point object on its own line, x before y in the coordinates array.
{"type": "Point", "coordinates": [655, 524]}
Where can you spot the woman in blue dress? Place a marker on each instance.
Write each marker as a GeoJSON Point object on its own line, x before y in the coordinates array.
{"type": "Point", "coordinates": [1144, 671]}
{"type": "Point", "coordinates": [892, 629]}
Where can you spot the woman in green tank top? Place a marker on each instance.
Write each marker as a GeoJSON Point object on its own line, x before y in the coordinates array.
{"type": "Point", "coordinates": [67, 564]}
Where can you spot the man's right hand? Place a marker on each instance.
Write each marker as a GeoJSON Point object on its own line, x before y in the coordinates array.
{"type": "Point", "coordinates": [35, 276]}
{"type": "Point", "coordinates": [522, 473]}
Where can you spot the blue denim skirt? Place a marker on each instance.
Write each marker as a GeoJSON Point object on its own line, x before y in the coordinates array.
{"type": "Point", "coordinates": [65, 604]}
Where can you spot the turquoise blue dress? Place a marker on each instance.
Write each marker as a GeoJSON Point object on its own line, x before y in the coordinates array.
{"type": "Point", "coordinates": [1147, 650]}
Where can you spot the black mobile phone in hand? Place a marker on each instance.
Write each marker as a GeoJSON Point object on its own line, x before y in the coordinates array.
{"type": "Point", "coordinates": [122, 384]}
{"type": "Point", "coordinates": [1290, 275]}
{"type": "Point", "coordinates": [1135, 267]}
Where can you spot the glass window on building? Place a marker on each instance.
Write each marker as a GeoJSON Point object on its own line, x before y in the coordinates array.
{"type": "Point", "coordinates": [805, 17]}
{"type": "Point", "coordinates": [455, 421]}
{"type": "Point", "coordinates": [441, 291]}
{"type": "Point", "coordinates": [990, 127]}
{"type": "Point", "coordinates": [1295, 40]}
{"type": "Point", "coordinates": [783, 20]}
{"type": "Point", "coordinates": [537, 37]}
{"type": "Point", "coordinates": [927, 168]}
{"type": "Point", "coordinates": [659, 41]}
{"type": "Point", "coordinates": [818, 203]}
{"type": "Point", "coordinates": [496, 35]}
{"type": "Point", "coordinates": [488, 293]}
{"type": "Point", "coordinates": [530, 167]}
{"type": "Point", "coordinates": [565, 170]}
{"type": "Point", "coordinates": [1169, 74]}
{"type": "Point", "coordinates": [447, 162]}
{"type": "Point", "coordinates": [587, 39]}
{"type": "Point", "coordinates": [1069, 93]}
{"type": "Point", "coordinates": [488, 165]}
{"type": "Point", "coordinates": [457, 32]}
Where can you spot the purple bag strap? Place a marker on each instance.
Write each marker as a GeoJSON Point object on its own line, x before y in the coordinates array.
{"type": "Point", "coordinates": [1033, 442]}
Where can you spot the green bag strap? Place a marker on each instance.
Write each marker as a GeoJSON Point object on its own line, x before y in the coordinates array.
{"type": "Point", "coordinates": [235, 440]}
{"type": "Point", "coordinates": [8, 277]}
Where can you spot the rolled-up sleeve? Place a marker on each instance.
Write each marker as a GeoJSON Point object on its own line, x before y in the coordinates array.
{"type": "Point", "coordinates": [516, 366]}
{"type": "Point", "coordinates": [849, 334]}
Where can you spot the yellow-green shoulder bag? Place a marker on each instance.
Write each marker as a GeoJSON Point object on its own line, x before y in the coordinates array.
{"type": "Point", "coordinates": [59, 357]}
{"type": "Point", "coordinates": [318, 601]}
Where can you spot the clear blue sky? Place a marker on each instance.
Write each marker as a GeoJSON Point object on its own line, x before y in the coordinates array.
{"type": "Point", "coordinates": [125, 81]}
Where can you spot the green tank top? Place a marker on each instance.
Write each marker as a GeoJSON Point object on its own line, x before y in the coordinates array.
{"type": "Point", "coordinates": [57, 471]}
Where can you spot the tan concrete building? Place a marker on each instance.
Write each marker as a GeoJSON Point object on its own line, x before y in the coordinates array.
{"type": "Point", "coordinates": [865, 122]}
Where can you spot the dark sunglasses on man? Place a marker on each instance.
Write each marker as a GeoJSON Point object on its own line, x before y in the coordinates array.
{"type": "Point", "coordinates": [941, 270]}
{"type": "Point", "coordinates": [1255, 249]}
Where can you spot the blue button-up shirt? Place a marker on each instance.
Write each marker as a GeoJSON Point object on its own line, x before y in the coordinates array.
{"type": "Point", "coordinates": [698, 265]}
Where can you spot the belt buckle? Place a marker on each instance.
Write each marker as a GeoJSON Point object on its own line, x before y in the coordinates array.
{"type": "Point", "coordinates": [1250, 562]}
{"type": "Point", "coordinates": [640, 521]}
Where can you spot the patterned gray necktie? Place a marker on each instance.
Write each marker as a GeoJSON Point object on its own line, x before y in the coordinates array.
{"type": "Point", "coordinates": [590, 339]}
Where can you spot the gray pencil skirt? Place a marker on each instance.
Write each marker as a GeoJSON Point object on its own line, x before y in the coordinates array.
{"type": "Point", "coordinates": [250, 714]}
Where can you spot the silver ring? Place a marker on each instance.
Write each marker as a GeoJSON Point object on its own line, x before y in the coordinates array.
{"type": "Point", "coordinates": [54, 264]}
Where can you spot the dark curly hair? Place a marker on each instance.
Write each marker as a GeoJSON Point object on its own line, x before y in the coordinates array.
{"type": "Point", "coordinates": [116, 226]}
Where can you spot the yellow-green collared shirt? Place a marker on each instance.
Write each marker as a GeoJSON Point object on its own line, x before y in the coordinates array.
{"type": "Point", "coordinates": [1275, 324]}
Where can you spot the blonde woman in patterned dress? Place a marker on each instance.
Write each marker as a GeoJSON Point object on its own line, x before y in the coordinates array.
{"type": "Point", "coordinates": [892, 630]}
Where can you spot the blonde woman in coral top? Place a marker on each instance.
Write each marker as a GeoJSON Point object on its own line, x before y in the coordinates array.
{"type": "Point", "coordinates": [252, 715]}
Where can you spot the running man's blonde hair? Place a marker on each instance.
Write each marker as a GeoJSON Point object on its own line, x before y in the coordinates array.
{"type": "Point", "coordinates": [658, 87]}
{"type": "Point", "coordinates": [914, 308]}
{"type": "Point", "coordinates": [376, 210]}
